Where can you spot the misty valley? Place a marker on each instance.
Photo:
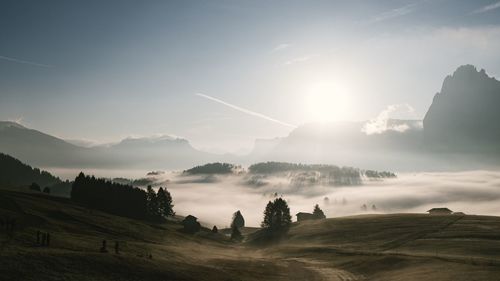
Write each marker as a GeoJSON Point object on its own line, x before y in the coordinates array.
{"type": "Point", "coordinates": [424, 197]}
{"type": "Point", "coordinates": [250, 140]}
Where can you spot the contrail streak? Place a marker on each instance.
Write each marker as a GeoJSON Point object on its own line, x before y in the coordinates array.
{"type": "Point", "coordinates": [24, 61]}
{"type": "Point", "coordinates": [249, 112]}
{"type": "Point", "coordinates": [487, 8]}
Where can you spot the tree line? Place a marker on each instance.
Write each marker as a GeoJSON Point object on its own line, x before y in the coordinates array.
{"type": "Point", "coordinates": [329, 170]}
{"type": "Point", "coordinates": [15, 173]}
{"type": "Point", "coordinates": [119, 199]}
{"type": "Point", "coordinates": [212, 168]}
{"type": "Point", "coordinates": [377, 174]}
{"type": "Point", "coordinates": [276, 222]}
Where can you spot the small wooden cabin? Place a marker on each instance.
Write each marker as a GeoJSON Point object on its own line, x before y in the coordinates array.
{"type": "Point", "coordinates": [305, 216]}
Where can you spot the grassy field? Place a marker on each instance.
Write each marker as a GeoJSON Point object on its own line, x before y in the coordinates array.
{"type": "Point", "coordinates": [372, 247]}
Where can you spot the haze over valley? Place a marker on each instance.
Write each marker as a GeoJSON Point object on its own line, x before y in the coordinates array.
{"type": "Point", "coordinates": [250, 140]}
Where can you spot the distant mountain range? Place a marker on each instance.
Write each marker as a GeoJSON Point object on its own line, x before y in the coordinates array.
{"type": "Point", "coordinates": [43, 150]}
{"type": "Point", "coordinates": [460, 130]}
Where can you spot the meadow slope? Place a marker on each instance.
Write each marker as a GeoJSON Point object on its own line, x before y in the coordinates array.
{"type": "Point", "coordinates": [372, 247]}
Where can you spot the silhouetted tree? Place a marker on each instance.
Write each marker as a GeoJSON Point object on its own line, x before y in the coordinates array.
{"type": "Point", "coordinates": [236, 234]}
{"type": "Point", "coordinates": [34, 186]}
{"type": "Point", "coordinates": [164, 200]}
{"type": "Point", "coordinates": [152, 205]}
{"type": "Point", "coordinates": [268, 215]}
{"type": "Point", "coordinates": [46, 190]}
{"type": "Point", "coordinates": [364, 208]}
{"type": "Point", "coordinates": [238, 220]}
{"type": "Point", "coordinates": [318, 213]}
{"type": "Point", "coordinates": [215, 229]}
{"type": "Point", "coordinates": [277, 214]}
{"type": "Point", "coordinates": [374, 208]}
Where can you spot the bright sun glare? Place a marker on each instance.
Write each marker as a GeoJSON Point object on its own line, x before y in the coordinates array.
{"type": "Point", "coordinates": [328, 101]}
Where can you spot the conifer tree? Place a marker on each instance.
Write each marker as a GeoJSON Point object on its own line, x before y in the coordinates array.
{"type": "Point", "coordinates": [152, 202]}
{"type": "Point", "coordinates": [277, 214]}
{"type": "Point", "coordinates": [268, 215]}
{"type": "Point", "coordinates": [318, 213]}
{"type": "Point", "coordinates": [164, 201]}
{"type": "Point", "coordinates": [236, 234]}
{"type": "Point", "coordinates": [238, 220]}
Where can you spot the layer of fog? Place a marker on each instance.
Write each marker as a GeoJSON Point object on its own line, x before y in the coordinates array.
{"type": "Point", "coordinates": [213, 202]}
{"type": "Point", "coordinates": [213, 199]}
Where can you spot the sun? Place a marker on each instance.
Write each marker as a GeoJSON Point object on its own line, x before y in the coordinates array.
{"type": "Point", "coordinates": [328, 101]}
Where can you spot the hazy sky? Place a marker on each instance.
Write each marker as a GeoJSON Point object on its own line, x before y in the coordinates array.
{"type": "Point", "coordinates": [222, 73]}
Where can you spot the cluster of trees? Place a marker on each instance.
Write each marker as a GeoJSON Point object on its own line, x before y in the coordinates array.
{"type": "Point", "coordinates": [307, 175]}
{"type": "Point", "coordinates": [280, 167]}
{"type": "Point", "coordinates": [213, 168]}
{"type": "Point", "coordinates": [15, 173]}
{"type": "Point", "coordinates": [35, 187]}
{"type": "Point", "coordinates": [343, 176]}
{"type": "Point", "coordinates": [277, 215]}
{"type": "Point", "coordinates": [276, 167]}
{"type": "Point", "coordinates": [379, 175]}
{"type": "Point", "coordinates": [123, 200]}
{"type": "Point", "coordinates": [365, 208]}
{"type": "Point", "coordinates": [159, 204]}
{"type": "Point", "coordinates": [134, 182]}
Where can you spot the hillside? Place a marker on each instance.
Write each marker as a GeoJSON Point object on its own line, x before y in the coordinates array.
{"type": "Point", "coordinates": [15, 173]}
{"type": "Point", "coordinates": [77, 234]}
{"type": "Point", "coordinates": [373, 247]}
{"type": "Point", "coordinates": [397, 247]}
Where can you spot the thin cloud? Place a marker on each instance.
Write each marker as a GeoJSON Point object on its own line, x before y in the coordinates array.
{"type": "Point", "coordinates": [25, 62]}
{"type": "Point", "coordinates": [246, 111]}
{"type": "Point", "coordinates": [281, 47]}
{"type": "Point", "coordinates": [300, 59]}
{"type": "Point", "coordinates": [393, 13]}
{"type": "Point", "coordinates": [487, 8]}
{"type": "Point", "coordinates": [18, 120]}
{"type": "Point", "coordinates": [381, 124]}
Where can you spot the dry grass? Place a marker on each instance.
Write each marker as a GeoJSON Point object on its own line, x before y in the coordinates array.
{"type": "Point", "coordinates": [376, 247]}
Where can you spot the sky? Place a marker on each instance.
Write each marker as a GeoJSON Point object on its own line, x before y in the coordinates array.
{"type": "Point", "coordinates": [224, 73]}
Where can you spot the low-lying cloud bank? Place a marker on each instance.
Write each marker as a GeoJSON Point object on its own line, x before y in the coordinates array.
{"type": "Point", "coordinates": [214, 201]}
